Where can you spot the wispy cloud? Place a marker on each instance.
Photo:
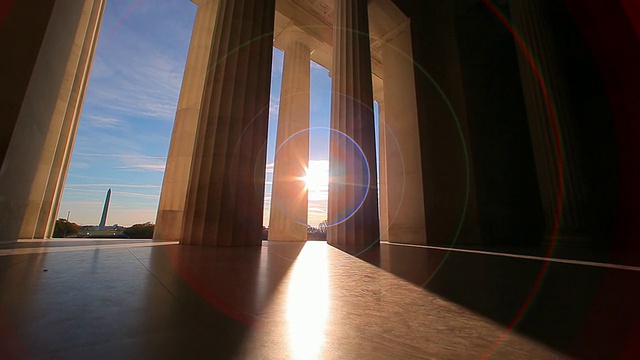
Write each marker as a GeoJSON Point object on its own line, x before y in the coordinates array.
{"type": "Point", "coordinates": [90, 204]}
{"type": "Point", "coordinates": [133, 205]}
{"type": "Point", "coordinates": [104, 122]}
{"type": "Point", "coordinates": [144, 167]}
{"type": "Point", "coordinates": [108, 143]}
{"type": "Point", "coordinates": [138, 66]}
{"type": "Point", "coordinates": [79, 165]}
{"type": "Point", "coordinates": [140, 195]}
{"type": "Point", "coordinates": [133, 161]}
{"type": "Point", "coordinates": [70, 189]}
{"type": "Point", "coordinates": [122, 155]}
{"type": "Point", "coordinates": [79, 176]}
{"type": "Point", "coordinates": [113, 185]}
{"type": "Point", "coordinates": [274, 107]}
{"type": "Point", "coordinates": [318, 206]}
{"type": "Point", "coordinates": [147, 82]}
{"type": "Point", "coordinates": [269, 168]}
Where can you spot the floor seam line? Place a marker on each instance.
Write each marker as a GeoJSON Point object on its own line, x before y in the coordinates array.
{"type": "Point", "coordinates": [526, 257]}
{"type": "Point", "coordinates": [154, 276]}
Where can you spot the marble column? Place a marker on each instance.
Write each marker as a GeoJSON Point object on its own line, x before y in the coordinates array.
{"type": "Point", "coordinates": [22, 35]}
{"type": "Point", "coordinates": [171, 207]}
{"type": "Point", "coordinates": [353, 196]}
{"type": "Point", "coordinates": [225, 196]}
{"type": "Point", "coordinates": [289, 197]}
{"type": "Point", "coordinates": [48, 183]}
{"type": "Point", "coordinates": [552, 128]}
{"type": "Point", "coordinates": [51, 98]}
{"type": "Point", "coordinates": [49, 179]}
{"type": "Point", "coordinates": [403, 166]}
{"type": "Point", "coordinates": [60, 167]}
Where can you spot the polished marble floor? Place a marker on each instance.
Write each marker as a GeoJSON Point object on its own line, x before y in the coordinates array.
{"type": "Point", "coordinates": [124, 299]}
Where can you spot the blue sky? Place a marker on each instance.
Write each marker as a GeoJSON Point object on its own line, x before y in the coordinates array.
{"type": "Point", "coordinates": [125, 127]}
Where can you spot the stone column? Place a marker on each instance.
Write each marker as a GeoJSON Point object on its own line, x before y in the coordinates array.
{"type": "Point", "coordinates": [60, 167]}
{"type": "Point", "coordinates": [547, 102]}
{"type": "Point", "coordinates": [353, 200]}
{"type": "Point", "coordinates": [21, 35]}
{"type": "Point", "coordinates": [226, 189]}
{"type": "Point", "coordinates": [49, 96]}
{"type": "Point", "coordinates": [402, 151]}
{"type": "Point", "coordinates": [48, 182]}
{"type": "Point", "coordinates": [447, 166]}
{"type": "Point", "coordinates": [289, 197]}
{"type": "Point", "coordinates": [171, 207]}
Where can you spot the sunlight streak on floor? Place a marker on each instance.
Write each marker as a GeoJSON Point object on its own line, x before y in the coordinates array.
{"type": "Point", "coordinates": [308, 302]}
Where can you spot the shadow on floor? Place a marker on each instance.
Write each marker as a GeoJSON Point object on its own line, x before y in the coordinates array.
{"type": "Point", "coordinates": [584, 311]}
{"type": "Point", "coordinates": [146, 302]}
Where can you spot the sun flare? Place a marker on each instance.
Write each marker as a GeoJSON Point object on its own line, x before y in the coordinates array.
{"type": "Point", "coordinates": [316, 176]}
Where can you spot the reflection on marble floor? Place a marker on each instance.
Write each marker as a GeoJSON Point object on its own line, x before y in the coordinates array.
{"type": "Point", "coordinates": [290, 301]}
{"type": "Point", "coordinates": [337, 307]}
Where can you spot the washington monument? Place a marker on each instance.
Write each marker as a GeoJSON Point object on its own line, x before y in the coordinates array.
{"type": "Point", "coordinates": [105, 210]}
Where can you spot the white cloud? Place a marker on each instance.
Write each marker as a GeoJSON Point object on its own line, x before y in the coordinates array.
{"type": "Point", "coordinates": [79, 165]}
{"type": "Point", "coordinates": [274, 107]}
{"type": "Point", "coordinates": [144, 167]}
{"type": "Point", "coordinates": [74, 175]}
{"type": "Point", "coordinates": [136, 74]}
{"type": "Point", "coordinates": [122, 155]}
{"type": "Point", "coordinates": [89, 204]}
{"type": "Point", "coordinates": [72, 186]}
{"type": "Point", "coordinates": [104, 122]}
{"type": "Point", "coordinates": [269, 168]}
{"type": "Point", "coordinates": [69, 190]}
{"type": "Point", "coordinates": [132, 161]}
{"type": "Point", "coordinates": [108, 144]}
{"type": "Point", "coordinates": [132, 194]}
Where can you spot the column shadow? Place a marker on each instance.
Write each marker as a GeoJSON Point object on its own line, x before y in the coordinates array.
{"type": "Point", "coordinates": [583, 311]}
{"type": "Point", "coordinates": [222, 289]}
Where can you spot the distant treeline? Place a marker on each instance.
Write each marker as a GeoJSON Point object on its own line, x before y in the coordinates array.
{"type": "Point", "coordinates": [66, 228]}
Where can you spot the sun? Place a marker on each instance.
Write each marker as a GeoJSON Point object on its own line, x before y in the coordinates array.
{"type": "Point", "coordinates": [316, 177]}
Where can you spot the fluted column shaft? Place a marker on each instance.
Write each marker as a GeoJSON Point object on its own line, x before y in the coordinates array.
{"type": "Point", "coordinates": [171, 207]}
{"type": "Point", "coordinates": [60, 167]}
{"type": "Point", "coordinates": [226, 190]}
{"type": "Point", "coordinates": [51, 95]}
{"type": "Point", "coordinates": [545, 90]}
{"type": "Point", "coordinates": [289, 197]}
{"type": "Point", "coordinates": [406, 212]}
{"type": "Point", "coordinates": [22, 35]}
{"type": "Point", "coordinates": [353, 203]}
{"type": "Point", "coordinates": [46, 189]}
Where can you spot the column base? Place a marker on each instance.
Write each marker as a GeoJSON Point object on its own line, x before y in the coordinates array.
{"type": "Point", "coordinates": [408, 235]}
